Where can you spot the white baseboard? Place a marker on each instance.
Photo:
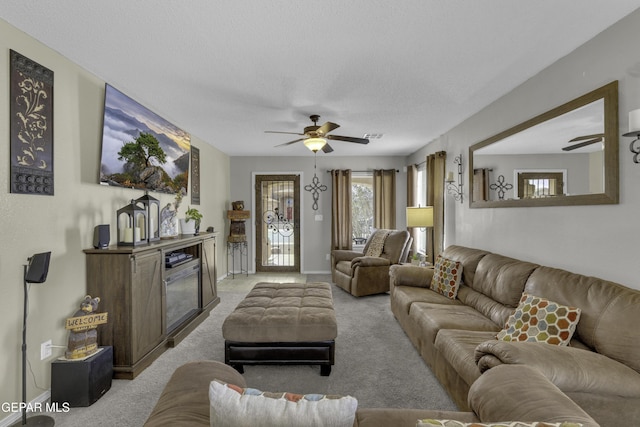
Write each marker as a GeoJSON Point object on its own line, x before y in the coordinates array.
{"type": "Point", "coordinates": [16, 416]}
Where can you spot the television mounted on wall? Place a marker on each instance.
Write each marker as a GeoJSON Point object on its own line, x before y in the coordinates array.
{"type": "Point", "coordinates": [140, 149]}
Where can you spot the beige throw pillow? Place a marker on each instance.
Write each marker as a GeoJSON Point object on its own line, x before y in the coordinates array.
{"type": "Point", "coordinates": [233, 406]}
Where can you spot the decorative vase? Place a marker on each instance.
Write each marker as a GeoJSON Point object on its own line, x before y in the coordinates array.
{"type": "Point", "coordinates": [187, 227]}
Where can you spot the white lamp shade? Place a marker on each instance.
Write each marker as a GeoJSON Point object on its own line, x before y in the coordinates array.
{"type": "Point", "coordinates": [420, 217]}
{"type": "Point", "coordinates": [315, 144]}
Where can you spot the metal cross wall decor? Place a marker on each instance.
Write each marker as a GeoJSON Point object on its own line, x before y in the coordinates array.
{"type": "Point", "coordinates": [315, 188]}
{"type": "Point", "coordinates": [501, 186]}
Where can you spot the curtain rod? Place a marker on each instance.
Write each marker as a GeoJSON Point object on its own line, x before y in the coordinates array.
{"type": "Point", "coordinates": [370, 170]}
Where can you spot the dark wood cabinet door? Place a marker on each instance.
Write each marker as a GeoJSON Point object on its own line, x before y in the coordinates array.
{"type": "Point", "coordinates": [209, 289]}
{"type": "Point", "coordinates": [147, 314]}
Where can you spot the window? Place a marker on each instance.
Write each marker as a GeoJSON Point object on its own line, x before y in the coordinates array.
{"type": "Point", "coordinates": [361, 207]}
{"type": "Point", "coordinates": [421, 200]}
{"type": "Point", "coordinates": [538, 184]}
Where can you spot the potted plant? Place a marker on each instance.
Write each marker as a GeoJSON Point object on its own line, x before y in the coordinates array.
{"type": "Point", "coordinates": [416, 259]}
{"type": "Point", "coordinates": [194, 215]}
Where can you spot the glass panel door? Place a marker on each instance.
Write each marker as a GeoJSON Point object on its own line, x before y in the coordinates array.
{"type": "Point", "coordinates": [277, 223]}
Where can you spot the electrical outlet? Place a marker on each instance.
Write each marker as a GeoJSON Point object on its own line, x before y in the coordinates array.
{"type": "Point", "coordinates": [45, 350]}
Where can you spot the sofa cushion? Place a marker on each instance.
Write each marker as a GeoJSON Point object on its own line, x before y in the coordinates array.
{"type": "Point", "coordinates": [458, 348]}
{"type": "Point", "coordinates": [539, 320]}
{"type": "Point", "coordinates": [502, 278]}
{"type": "Point", "coordinates": [469, 258]}
{"type": "Point", "coordinates": [570, 369]}
{"type": "Point", "coordinates": [344, 267]}
{"type": "Point", "coordinates": [233, 406]}
{"type": "Point", "coordinates": [404, 296]}
{"type": "Point", "coordinates": [610, 312]}
{"type": "Point", "coordinates": [432, 318]}
{"type": "Point", "coordinates": [446, 278]}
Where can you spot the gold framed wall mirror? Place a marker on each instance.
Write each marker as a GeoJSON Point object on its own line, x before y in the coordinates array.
{"type": "Point", "coordinates": [566, 156]}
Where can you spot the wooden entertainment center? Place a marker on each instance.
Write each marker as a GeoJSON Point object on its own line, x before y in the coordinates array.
{"type": "Point", "coordinates": [132, 283]}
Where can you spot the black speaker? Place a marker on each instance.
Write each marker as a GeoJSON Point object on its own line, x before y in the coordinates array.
{"type": "Point", "coordinates": [101, 236]}
{"type": "Point", "coordinates": [38, 268]}
{"type": "Point", "coordinates": [82, 382]}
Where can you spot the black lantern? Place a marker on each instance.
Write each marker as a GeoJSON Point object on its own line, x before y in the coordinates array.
{"type": "Point", "coordinates": [151, 205]}
{"type": "Point", "coordinates": [131, 219]}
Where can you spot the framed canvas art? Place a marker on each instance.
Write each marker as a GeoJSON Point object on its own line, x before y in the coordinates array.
{"type": "Point", "coordinates": [140, 149]}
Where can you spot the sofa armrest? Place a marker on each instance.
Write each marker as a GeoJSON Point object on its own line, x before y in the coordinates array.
{"type": "Point", "coordinates": [185, 398]}
{"type": "Point", "coordinates": [571, 369]}
{"type": "Point", "coordinates": [522, 393]}
{"type": "Point", "coordinates": [344, 255]}
{"type": "Point", "coordinates": [410, 275]}
{"type": "Point", "coordinates": [369, 261]}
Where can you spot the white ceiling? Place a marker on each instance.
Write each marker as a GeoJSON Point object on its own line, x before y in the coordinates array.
{"type": "Point", "coordinates": [227, 70]}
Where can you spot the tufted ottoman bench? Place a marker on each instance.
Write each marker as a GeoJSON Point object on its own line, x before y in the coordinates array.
{"type": "Point", "coordinates": [282, 323]}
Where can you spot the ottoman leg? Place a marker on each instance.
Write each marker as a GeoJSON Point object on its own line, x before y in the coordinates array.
{"type": "Point", "coordinates": [325, 370]}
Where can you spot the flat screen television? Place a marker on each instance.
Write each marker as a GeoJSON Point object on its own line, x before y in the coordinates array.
{"type": "Point", "coordinates": [140, 149]}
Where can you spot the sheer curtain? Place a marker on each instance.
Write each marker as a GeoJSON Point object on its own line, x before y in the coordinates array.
{"type": "Point", "coordinates": [341, 231]}
{"type": "Point", "coordinates": [412, 178]}
{"type": "Point", "coordinates": [384, 198]}
{"type": "Point", "coordinates": [435, 197]}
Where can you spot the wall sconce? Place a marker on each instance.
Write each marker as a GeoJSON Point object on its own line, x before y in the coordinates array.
{"type": "Point", "coordinates": [634, 130]}
{"type": "Point", "coordinates": [421, 217]}
{"type": "Point", "coordinates": [453, 189]}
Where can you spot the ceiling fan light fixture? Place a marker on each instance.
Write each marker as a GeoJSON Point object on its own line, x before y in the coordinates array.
{"type": "Point", "coordinates": [315, 144]}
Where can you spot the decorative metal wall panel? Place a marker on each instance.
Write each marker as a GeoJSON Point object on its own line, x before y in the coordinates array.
{"type": "Point", "coordinates": [31, 111]}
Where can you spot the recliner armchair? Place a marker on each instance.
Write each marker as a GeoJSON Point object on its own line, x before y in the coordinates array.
{"type": "Point", "coordinates": [362, 275]}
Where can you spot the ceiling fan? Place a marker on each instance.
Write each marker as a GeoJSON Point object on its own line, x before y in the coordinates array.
{"type": "Point", "coordinates": [315, 137]}
{"type": "Point", "coordinates": [590, 139]}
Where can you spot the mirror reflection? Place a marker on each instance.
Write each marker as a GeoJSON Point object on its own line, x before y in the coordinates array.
{"type": "Point", "coordinates": [565, 156]}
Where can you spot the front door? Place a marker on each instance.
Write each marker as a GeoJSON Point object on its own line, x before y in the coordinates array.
{"type": "Point", "coordinates": [277, 223]}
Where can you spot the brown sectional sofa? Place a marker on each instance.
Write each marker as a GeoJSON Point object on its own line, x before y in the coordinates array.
{"type": "Point", "coordinates": [600, 368]}
{"type": "Point", "coordinates": [503, 393]}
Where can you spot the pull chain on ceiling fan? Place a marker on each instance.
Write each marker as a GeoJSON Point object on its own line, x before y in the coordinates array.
{"type": "Point", "coordinates": [315, 137]}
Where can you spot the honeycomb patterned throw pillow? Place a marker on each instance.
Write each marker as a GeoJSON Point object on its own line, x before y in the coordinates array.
{"type": "Point", "coordinates": [539, 320]}
{"type": "Point", "coordinates": [446, 277]}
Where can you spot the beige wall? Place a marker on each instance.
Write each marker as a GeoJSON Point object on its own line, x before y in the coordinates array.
{"type": "Point", "coordinates": [315, 235]}
{"type": "Point", "coordinates": [63, 224]}
{"type": "Point", "coordinates": [601, 240]}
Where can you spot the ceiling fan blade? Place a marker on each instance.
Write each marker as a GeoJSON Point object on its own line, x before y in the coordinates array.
{"type": "Point", "coordinates": [327, 148]}
{"type": "Point", "coordinates": [326, 128]}
{"type": "Point", "coordinates": [580, 138]}
{"type": "Point", "coordinates": [288, 133]}
{"type": "Point", "coordinates": [348, 139]}
{"type": "Point", "coordinates": [290, 142]}
{"type": "Point", "coordinates": [582, 144]}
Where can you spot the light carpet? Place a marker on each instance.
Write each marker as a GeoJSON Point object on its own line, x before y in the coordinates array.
{"type": "Point", "coordinates": [374, 362]}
